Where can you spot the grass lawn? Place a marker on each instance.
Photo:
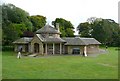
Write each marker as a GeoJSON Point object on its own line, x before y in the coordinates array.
{"type": "Point", "coordinates": [0, 65]}
{"type": "Point", "coordinates": [104, 66]}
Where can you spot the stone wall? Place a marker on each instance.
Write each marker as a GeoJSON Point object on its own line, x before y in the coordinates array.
{"type": "Point", "coordinates": [69, 49]}
{"type": "Point", "coordinates": [91, 49]}
{"type": "Point", "coordinates": [38, 41]}
{"type": "Point", "coordinates": [16, 49]}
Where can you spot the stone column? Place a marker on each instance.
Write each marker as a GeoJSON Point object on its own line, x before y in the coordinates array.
{"type": "Point", "coordinates": [41, 47]}
{"type": "Point", "coordinates": [63, 49]}
{"type": "Point", "coordinates": [31, 47]}
{"type": "Point", "coordinates": [46, 48]}
{"type": "Point", "coordinates": [16, 48]}
{"type": "Point", "coordinates": [60, 48]}
{"type": "Point", "coordinates": [53, 48]}
{"type": "Point", "coordinates": [85, 51]}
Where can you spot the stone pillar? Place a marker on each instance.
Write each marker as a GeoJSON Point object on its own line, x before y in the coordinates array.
{"type": "Point", "coordinates": [41, 48]}
{"type": "Point", "coordinates": [16, 48]}
{"type": "Point", "coordinates": [60, 48]}
{"type": "Point", "coordinates": [53, 48]}
{"type": "Point", "coordinates": [85, 51]}
{"type": "Point", "coordinates": [31, 47]}
{"type": "Point", "coordinates": [46, 48]}
{"type": "Point", "coordinates": [23, 48]}
{"type": "Point", "coordinates": [63, 49]}
{"type": "Point", "coordinates": [68, 50]}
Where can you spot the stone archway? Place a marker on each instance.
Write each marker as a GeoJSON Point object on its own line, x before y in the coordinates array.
{"type": "Point", "coordinates": [36, 48]}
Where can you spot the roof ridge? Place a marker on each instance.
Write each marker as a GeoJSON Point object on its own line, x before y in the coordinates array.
{"type": "Point", "coordinates": [47, 29]}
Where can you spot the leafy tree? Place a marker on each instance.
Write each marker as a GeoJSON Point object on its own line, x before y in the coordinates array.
{"type": "Point", "coordinates": [98, 31]}
{"type": "Point", "coordinates": [104, 30]}
{"type": "Point", "coordinates": [14, 22]}
{"type": "Point", "coordinates": [66, 28]}
{"type": "Point", "coordinates": [38, 21]}
{"type": "Point", "coordinates": [84, 29]}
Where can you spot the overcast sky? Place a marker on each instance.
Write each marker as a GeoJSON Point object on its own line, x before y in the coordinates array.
{"type": "Point", "coordinates": [76, 11]}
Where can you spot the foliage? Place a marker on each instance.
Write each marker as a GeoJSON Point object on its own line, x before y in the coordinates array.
{"type": "Point", "coordinates": [66, 28]}
{"type": "Point", "coordinates": [84, 29]}
{"type": "Point", "coordinates": [1, 65]}
{"type": "Point", "coordinates": [37, 21]}
{"type": "Point", "coordinates": [104, 30]}
{"type": "Point", "coordinates": [104, 66]}
{"type": "Point", "coordinates": [14, 22]}
{"type": "Point", "coordinates": [7, 48]}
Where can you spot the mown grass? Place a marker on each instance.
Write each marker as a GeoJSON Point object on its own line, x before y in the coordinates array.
{"type": "Point", "coordinates": [0, 65]}
{"type": "Point", "coordinates": [104, 66]}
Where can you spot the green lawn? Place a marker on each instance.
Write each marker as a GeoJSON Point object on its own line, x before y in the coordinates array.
{"type": "Point", "coordinates": [104, 66]}
{"type": "Point", "coordinates": [0, 65]}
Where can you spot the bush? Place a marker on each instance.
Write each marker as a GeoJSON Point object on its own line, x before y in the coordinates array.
{"type": "Point", "coordinates": [7, 48]}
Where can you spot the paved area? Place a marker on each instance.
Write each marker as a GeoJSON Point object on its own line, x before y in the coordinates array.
{"type": "Point", "coordinates": [101, 51]}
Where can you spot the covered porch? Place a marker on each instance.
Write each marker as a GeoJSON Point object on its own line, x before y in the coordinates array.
{"type": "Point", "coordinates": [53, 48]}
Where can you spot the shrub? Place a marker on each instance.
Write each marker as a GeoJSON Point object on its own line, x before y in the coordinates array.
{"type": "Point", "coordinates": [7, 48]}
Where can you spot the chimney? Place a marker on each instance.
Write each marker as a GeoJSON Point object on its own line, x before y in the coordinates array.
{"type": "Point", "coordinates": [57, 27]}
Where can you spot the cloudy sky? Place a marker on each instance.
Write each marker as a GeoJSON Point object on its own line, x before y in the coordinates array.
{"type": "Point", "coordinates": [76, 11]}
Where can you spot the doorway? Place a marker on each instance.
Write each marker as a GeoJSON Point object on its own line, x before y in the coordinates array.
{"type": "Point", "coordinates": [76, 51]}
{"type": "Point", "coordinates": [36, 48]}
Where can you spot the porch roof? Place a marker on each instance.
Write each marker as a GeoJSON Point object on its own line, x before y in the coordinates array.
{"type": "Point", "coordinates": [73, 41]}
{"type": "Point", "coordinates": [90, 41]}
{"type": "Point", "coordinates": [56, 40]}
{"type": "Point", "coordinates": [80, 41]}
{"type": "Point", "coordinates": [23, 40]}
{"type": "Point", "coordinates": [50, 39]}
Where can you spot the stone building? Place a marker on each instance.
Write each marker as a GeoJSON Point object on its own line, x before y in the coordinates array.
{"type": "Point", "coordinates": [47, 40]}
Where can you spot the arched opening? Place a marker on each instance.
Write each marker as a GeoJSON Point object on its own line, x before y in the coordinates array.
{"type": "Point", "coordinates": [36, 48]}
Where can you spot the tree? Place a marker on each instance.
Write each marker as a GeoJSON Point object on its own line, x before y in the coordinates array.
{"type": "Point", "coordinates": [66, 28]}
{"type": "Point", "coordinates": [38, 21]}
{"type": "Point", "coordinates": [104, 30]}
{"type": "Point", "coordinates": [98, 32]}
{"type": "Point", "coordinates": [84, 29]}
{"type": "Point", "coordinates": [14, 22]}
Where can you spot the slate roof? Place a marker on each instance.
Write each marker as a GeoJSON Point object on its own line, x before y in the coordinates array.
{"type": "Point", "coordinates": [48, 29]}
{"type": "Point", "coordinates": [40, 37]}
{"type": "Point", "coordinates": [50, 39]}
{"type": "Point", "coordinates": [53, 40]}
{"type": "Point", "coordinates": [89, 41]}
{"type": "Point", "coordinates": [73, 41]}
{"type": "Point", "coordinates": [68, 40]}
{"type": "Point", "coordinates": [23, 40]}
{"type": "Point", "coordinates": [80, 41]}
